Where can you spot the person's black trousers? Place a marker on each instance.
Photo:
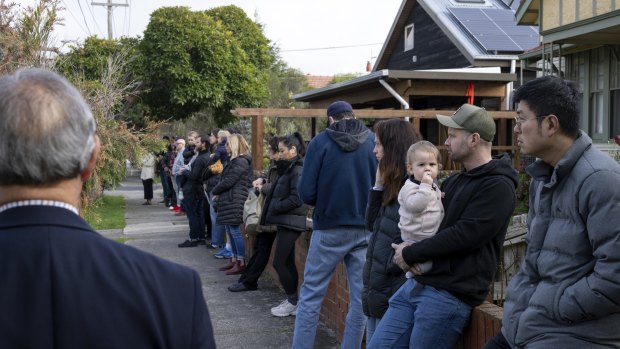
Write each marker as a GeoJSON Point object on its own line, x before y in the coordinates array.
{"type": "Point", "coordinates": [255, 267]}
{"type": "Point", "coordinates": [284, 260]}
{"type": "Point", "coordinates": [148, 188]}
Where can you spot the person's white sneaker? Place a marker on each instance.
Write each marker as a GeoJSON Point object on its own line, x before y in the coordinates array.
{"type": "Point", "coordinates": [284, 309]}
{"type": "Point", "coordinates": [279, 305]}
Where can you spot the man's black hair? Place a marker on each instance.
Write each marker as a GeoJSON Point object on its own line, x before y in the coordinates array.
{"type": "Point", "coordinates": [553, 95]}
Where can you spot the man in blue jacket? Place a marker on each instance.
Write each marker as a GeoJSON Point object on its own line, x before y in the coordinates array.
{"type": "Point", "coordinates": [567, 292]}
{"type": "Point", "coordinates": [339, 169]}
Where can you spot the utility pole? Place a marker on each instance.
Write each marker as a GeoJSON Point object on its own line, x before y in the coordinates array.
{"type": "Point", "coordinates": [110, 7]}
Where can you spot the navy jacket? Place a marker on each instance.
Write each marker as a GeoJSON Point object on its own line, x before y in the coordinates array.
{"type": "Point", "coordinates": [65, 286]}
{"type": "Point", "coordinates": [339, 169]}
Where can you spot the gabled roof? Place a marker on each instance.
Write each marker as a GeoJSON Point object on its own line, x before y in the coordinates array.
{"type": "Point", "coordinates": [439, 11]}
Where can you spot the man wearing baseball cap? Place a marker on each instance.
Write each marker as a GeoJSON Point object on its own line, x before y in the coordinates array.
{"type": "Point", "coordinates": [432, 309]}
{"type": "Point", "coordinates": [339, 168]}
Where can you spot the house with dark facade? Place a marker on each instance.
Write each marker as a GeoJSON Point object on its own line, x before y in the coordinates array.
{"type": "Point", "coordinates": [438, 55]}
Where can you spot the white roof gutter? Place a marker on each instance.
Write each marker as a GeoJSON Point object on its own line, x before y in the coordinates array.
{"type": "Point", "coordinates": [396, 95]}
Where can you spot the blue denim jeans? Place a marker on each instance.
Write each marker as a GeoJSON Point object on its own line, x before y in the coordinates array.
{"type": "Point", "coordinates": [164, 183]}
{"type": "Point", "coordinates": [218, 235]}
{"type": "Point", "coordinates": [236, 241]}
{"type": "Point", "coordinates": [327, 248]}
{"type": "Point", "coordinates": [421, 317]}
{"type": "Point", "coordinates": [371, 326]}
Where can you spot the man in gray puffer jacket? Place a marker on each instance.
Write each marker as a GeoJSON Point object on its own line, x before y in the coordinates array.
{"type": "Point", "coordinates": [567, 293]}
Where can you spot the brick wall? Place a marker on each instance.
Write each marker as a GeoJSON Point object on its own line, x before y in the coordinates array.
{"type": "Point", "coordinates": [485, 322]}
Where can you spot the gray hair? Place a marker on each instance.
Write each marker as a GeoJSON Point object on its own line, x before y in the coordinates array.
{"type": "Point", "coordinates": [47, 131]}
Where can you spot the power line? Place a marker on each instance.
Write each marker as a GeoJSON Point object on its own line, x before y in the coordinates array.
{"type": "Point", "coordinates": [92, 14]}
{"type": "Point", "coordinates": [330, 47]}
{"type": "Point", "coordinates": [83, 17]}
{"type": "Point", "coordinates": [77, 21]}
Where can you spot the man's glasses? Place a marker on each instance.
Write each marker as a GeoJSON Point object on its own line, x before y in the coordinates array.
{"type": "Point", "coordinates": [519, 120]}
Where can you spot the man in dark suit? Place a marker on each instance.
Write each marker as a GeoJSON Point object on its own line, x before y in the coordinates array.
{"type": "Point", "coordinates": [63, 285]}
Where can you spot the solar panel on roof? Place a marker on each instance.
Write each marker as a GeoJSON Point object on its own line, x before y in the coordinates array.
{"type": "Point", "coordinates": [497, 14]}
{"type": "Point", "coordinates": [496, 29]}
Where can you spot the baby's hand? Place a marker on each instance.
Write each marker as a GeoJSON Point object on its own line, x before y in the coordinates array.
{"type": "Point", "coordinates": [415, 270]}
{"type": "Point", "coordinates": [427, 178]}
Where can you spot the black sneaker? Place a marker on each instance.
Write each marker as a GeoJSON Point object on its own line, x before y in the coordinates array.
{"type": "Point", "coordinates": [201, 241]}
{"type": "Point", "coordinates": [240, 287]}
{"type": "Point", "coordinates": [189, 243]}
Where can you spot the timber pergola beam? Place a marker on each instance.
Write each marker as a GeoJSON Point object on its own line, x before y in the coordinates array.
{"type": "Point", "coordinates": [257, 115]}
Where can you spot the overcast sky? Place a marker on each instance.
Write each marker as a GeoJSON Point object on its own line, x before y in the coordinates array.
{"type": "Point", "coordinates": [318, 37]}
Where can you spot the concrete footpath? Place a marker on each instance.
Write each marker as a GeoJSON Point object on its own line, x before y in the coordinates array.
{"type": "Point", "coordinates": [240, 320]}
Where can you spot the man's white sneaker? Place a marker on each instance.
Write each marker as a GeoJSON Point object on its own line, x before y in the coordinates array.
{"type": "Point", "coordinates": [284, 309]}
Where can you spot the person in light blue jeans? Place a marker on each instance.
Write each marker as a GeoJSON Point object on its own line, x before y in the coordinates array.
{"type": "Point", "coordinates": [218, 235]}
{"type": "Point", "coordinates": [444, 318]}
{"type": "Point", "coordinates": [339, 169]}
{"type": "Point", "coordinates": [327, 248]}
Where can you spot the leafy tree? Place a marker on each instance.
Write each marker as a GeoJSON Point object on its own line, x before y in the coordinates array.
{"type": "Point", "coordinates": [194, 62]}
{"type": "Point", "coordinates": [90, 60]}
{"type": "Point", "coordinates": [25, 35]}
{"type": "Point", "coordinates": [283, 83]}
{"type": "Point", "coordinates": [25, 41]}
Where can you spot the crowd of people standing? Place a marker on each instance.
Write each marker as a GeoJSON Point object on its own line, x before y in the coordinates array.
{"type": "Point", "coordinates": [418, 256]}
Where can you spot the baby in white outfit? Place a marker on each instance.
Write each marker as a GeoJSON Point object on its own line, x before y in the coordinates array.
{"type": "Point", "coordinates": [421, 210]}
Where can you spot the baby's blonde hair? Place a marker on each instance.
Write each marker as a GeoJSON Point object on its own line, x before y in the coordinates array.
{"type": "Point", "coordinates": [422, 146]}
{"type": "Point", "coordinates": [222, 134]}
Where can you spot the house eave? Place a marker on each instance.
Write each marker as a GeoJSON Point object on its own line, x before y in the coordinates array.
{"type": "Point", "coordinates": [396, 75]}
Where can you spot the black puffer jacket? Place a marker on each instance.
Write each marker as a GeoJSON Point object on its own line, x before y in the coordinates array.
{"type": "Point", "coordinates": [382, 278]}
{"type": "Point", "coordinates": [283, 206]}
{"type": "Point", "coordinates": [232, 190]}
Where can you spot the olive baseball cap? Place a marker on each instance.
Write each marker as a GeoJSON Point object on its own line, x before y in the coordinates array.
{"type": "Point", "coordinates": [471, 118]}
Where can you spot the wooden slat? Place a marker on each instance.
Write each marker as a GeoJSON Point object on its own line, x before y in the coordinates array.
{"type": "Point", "coordinates": [257, 115]}
{"type": "Point", "coordinates": [360, 113]}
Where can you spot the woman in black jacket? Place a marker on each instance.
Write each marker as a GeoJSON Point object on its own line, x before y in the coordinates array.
{"type": "Point", "coordinates": [285, 209]}
{"type": "Point", "coordinates": [381, 276]}
{"type": "Point", "coordinates": [229, 196]}
{"type": "Point", "coordinates": [266, 234]}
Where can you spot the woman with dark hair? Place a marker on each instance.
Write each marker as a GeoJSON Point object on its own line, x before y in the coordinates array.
{"type": "Point", "coordinates": [381, 276]}
{"type": "Point", "coordinates": [285, 209]}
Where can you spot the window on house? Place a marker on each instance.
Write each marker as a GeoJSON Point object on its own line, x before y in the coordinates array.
{"type": "Point", "coordinates": [597, 94]}
{"type": "Point", "coordinates": [614, 86]}
{"type": "Point", "coordinates": [409, 37]}
{"type": "Point", "coordinates": [576, 70]}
